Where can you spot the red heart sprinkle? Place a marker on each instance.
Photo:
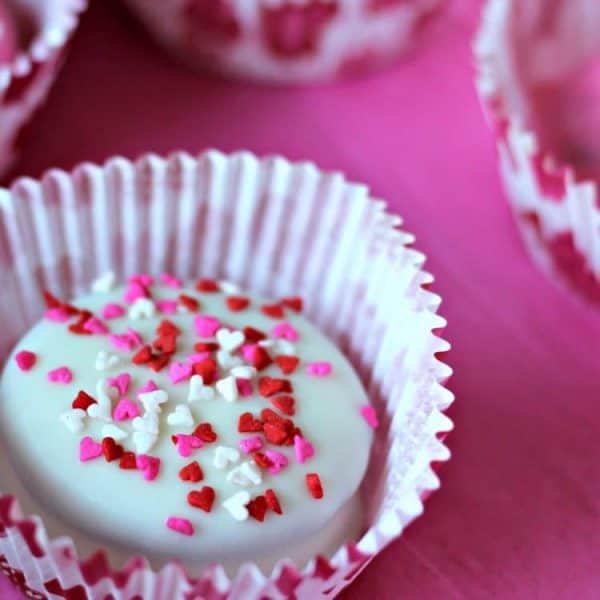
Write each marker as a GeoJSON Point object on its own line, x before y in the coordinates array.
{"type": "Point", "coordinates": [295, 303]}
{"type": "Point", "coordinates": [313, 483]}
{"type": "Point", "coordinates": [286, 404]}
{"type": "Point", "coordinates": [275, 311]}
{"type": "Point", "coordinates": [83, 401]}
{"type": "Point", "coordinates": [275, 434]}
{"type": "Point", "coordinates": [205, 432]}
{"type": "Point", "coordinates": [237, 303]}
{"type": "Point", "coordinates": [192, 472]}
{"type": "Point", "coordinates": [203, 499]}
{"type": "Point", "coordinates": [51, 300]}
{"type": "Point", "coordinates": [258, 508]}
{"type": "Point", "coordinates": [168, 328]}
{"type": "Point", "coordinates": [206, 347]}
{"type": "Point", "coordinates": [128, 461]}
{"type": "Point", "coordinates": [143, 357]}
{"type": "Point", "coordinates": [208, 370]}
{"type": "Point", "coordinates": [269, 386]}
{"type": "Point", "coordinates": [262, 460]}
{"type": "Point", "coordinates": [270, 416]}
{"type": "Point", "coordinates": [261, 359]}
{"type": "Point", "coordinates": [248, 424]}
{"type": "Point", "coordinates": [111, 449]}
{"type": "Point", "coordinates": [208, 286]}
{"type": "Point", "coordinates": [287, 364]}
{"type": "Point", "coordinates": [253, 336]}
{"type": "Point", "coordinates": [190, 303]}
{"type": "Point", "coordinates": [273, 501]}
{"type": "Point", "coordinates": [159, 362]}
{"type": "Point", "coordinates": [166, 343]}
{"type": "Point", "coordinates": [78, 328]}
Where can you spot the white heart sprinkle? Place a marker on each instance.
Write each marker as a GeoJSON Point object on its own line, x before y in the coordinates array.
{"type": "Point", "coordinates": [199, 391]}
{"type": "Point", "coordinates": [151, 401]}
{"type": "Point", "coordinates": [228, 361]}
{"type": "Point", "coordinates": [74, 420]}
{"type": "Point", "coordinates": [181, 416]}
{"type": "Point", "coordinates": [142, 308]}
{"type": "Point", "coordinates": [225, 456]}
{"type": "Point", "coordinates": [102, 409]}
{"type": "Point", "coordinates": [244, 372]}
{"type": "Point", "coordinates": [245, 475]}
{"type": "Point", "coordinates": [228, 287]}
{"type": "Point", "coordinates": [236, 505]}
{"type": "Point", "coordinates": [228, 389]}
{"type": "Point", "coordinates": [146, 424]}
{"type": "Point", "coordinates": [104, 284]}
{"type": "Point", "coordinates": [100, 412]}
{"type": "Point", "coordinates": [116, 433]}
{"type": "Point", "coordinates": [280, 346]}
{"type": "Point", "coordinates": [230, 340]}
{"type": "Point", "coordinates": [106, 361]}
{"type": "Point", "coordinates": [144, 441]}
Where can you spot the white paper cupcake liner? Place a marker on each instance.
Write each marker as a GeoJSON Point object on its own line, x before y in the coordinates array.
{"type": "Point", "coordinates": [24, 84]}
{"type": "Point", "coordinates": [285, 41]}
{"type": "Point", "coordinates": [275, 228]}
{"type": "Point", "coordinates": [539, 43]}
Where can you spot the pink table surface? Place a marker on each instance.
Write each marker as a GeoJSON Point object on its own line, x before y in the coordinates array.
{"type": "Point", "coordinates": [518, 512]}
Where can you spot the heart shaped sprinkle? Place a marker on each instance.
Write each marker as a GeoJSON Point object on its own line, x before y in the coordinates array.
{"type": "Point", "coordinates": [206, 325]}
{"type": "Point", "coordinates": [287, 364]}
{"type": "Point", "coordinates": [89, 449]}
{"type": "Point", "coordinates": [295, 303]}
{"type": "Point", "coordinates": [147, 424]}
{"type": "Point", "coordinates": [303, 449]}
{"type": "Point", "coordinates": [104, 284]}
{"type": "Point", "coordinates": [237, 303]}
{"type": "Point", "coordinates": [179, 525]}
{"type": "Point", "coordinates": [285, 331]}
{"type": "Point", "coordinates": [25, 360]}
{"type": "Point", "coordinates": [181, 416]}
{"type": "Point", "coordinates": [319, 369]}
{"type": "Point", "coordinates": [128, 461]}
{"type": "Point", "coordinates": [121, 383]}
{"type": "Point", "coordinates": [269, 386]}
{"type": "Point", "coordinates": [257, 508]}
{"type": "Point", "coordinates": [225, 457]}
{"type": "Point", "coordinates": [260, 358]}
{"type": "Point", "coordinates": [250, 445]}
{"type": "Point", "coordinates": [94, 325]}
{"type": "Point", "coordinates": [205, 432]}
{"type": "Point", "coordinates": [73, 420]}
{"type": "Point", "coordinates": [159, 362]}
{"type": "Point", "coordinates": [277, 461]}
{"type": "Point", "coordinates": [244, 387]}
{"type": "Point", "coordinates": [167, 307]}
{"type": "Point", "coordinates": [135, 291]}
{"type": "Point", "coordinates": [111, 450]}
{"type": "Point", "coordinates": [151, 401]}
{"type": "Point", "coordinates": [208, 286]}
{"type": "Point", "coordinates": [106, 361]}
{"type": "Point", "coordinates": [83, 401]}
{"type": "Point", "coordinates": [286, 404]}
{"type": "Point", "coordinates": [114, 432]}
{"type": "Point", "coordinates": [149, 386]}
{"type": "Point", "coordinates": [208, 370]}
{"type": "Point", "coordinates": [198, 391]}
{"type": "Point", "coordinates": [273, 501]}
{"type": "Point", "coordinates": [149, 466]}
{"type": "Point", "coordinates": [275, 311]}
{"type": "Point", "coordinates": [179, 372]}
{"type": "Point", "coordinates": [142, 308]}
{"type": "Point", "coordinates": [245, 475]}
{"type": "Point", "coordinates": [369, 414]}
{"type": "Point", "coordinates": [253, 335]}
{"type": "Point", "coordinates": [144, 441]}
{"type": "Point", "coordinates": [126, 409]}
{"type": "Point", "coordinates": [62, 375]}
{"type": "Point", "coordinates": [243, 372]}
{"type": "Point", "coordinates": [247, 423]}
{"type": "Point", "coordinates": [206, 347]}
{"type": "Point", "coordinates": [186, 444]}
{"type": "Point", "coordinates": [228, 361]}
{"type": "Point", "coordinates": [167, 328]}
{"type": "Point", "coordinates": [313, 483]}
{"type": "Point", "coordinates": [203, 499]}
{"type": "Point", "coordinates": [227, 388]}
{"type": "Point", "coordinates": [261, 460]}
{"type": "Point", "coordinates": [191, 472]}
{"type": "Point", "coordinates": [229, 341]}
{"type": "Point", "coordinates": [236, 505]}
{"type": "Point", "coordinates": [57, 315]}
{"type": "Point", "coordinates": [171, 281]}
{"type": "Point", "coordinates": [112, 311]}
{"type": "Point", "coordinates": [275, 434]}
{"type": "Point", "coordinates": [189, 303]}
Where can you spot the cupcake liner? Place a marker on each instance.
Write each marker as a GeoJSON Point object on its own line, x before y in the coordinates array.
{"type": "Point", "coordinates": [24, 83]}
{"type": "Point", "coordinates": [528, 55]}
{"type": "Point", "coordinates": [285, 41]}
{"type": "Point", "coordinates": [275, 228]}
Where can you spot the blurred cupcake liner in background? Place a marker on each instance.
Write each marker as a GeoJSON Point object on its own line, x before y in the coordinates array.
{"type": "Point", "coordinates": [286, 41]}
{"type": "Point", "coordinates": [539, 81]}
{"type": "Point", "coordinates": [33, 40]}
{"type": "Point", "coordinates": [158, 215]}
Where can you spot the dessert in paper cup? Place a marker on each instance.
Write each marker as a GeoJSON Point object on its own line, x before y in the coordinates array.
{"type": "Point", "coordinates": [33, 38]}
{"type": "Point", "coordinates": [538, 80]}
{"type": "Point", "coordinates": [286, 41]}
{"type": "Point", "coordinates": [232, 372]}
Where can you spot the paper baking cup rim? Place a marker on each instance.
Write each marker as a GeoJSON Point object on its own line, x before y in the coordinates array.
{"type": "Point", "coordinates": [357, 554]}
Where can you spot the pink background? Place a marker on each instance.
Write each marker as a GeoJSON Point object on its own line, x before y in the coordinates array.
{"type": "Point", "coordinates": [518, 512]}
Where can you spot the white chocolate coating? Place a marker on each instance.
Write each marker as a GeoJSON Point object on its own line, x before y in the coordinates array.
{"type": "Point", "coordinates": [118, 509]}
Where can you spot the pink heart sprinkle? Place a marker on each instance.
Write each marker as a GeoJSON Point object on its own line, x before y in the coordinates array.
{"type": "Point", "coordinates": [171, 281]}
{"type": "Point", "coordinates": [192, 359]}
{"type": "Point", "coordinates": [167, 307]}
{"type": "Point", "coordinates": [89, 449]}
{"type": "Point", "coordinates": [126, 409]}
{"type": "Point", "coordinates": [249, 445]}
{"type": "Point", "coordinates": [58, 315]}
{"type": "Point", "coordinates": [187, 443]}
{"type": "Point", "coordinates": [179, 372]}
{"type": "Point", "coordinates": [25, 360]}
{"type": "Point", "coordinates": [135, 290]}
{"type": "Point", "coordinates": [285, 331]}
{"type": "Point", "coordinates": [280, 461]}
{"type": "Point", "coordinates": [248, 351]}
{"type": "Point", "coordinates": [303, 449]}
{"type": "Point", "coordinates": [182, 526]}
{"type": "Point", "coordinates": [148, 465]}
{"type": "Point", "coordinates": [319, 369]}
{"type": "Point", "coordinates": [61, 375]}
{"type": "Point", "coordinates": [112, 311]}
{"type": "Point", "coordinates": [206, 326]}
{"type": "Point", "coordinates": [244, 387]}
{"type": "Point", "coordinates": [130, 340]}
{"type": "Point", "coordinates": [142, 279]}
{"type": "Point", "coordinates": [369, 414]}
{"type": "Point", "coordinates": [148, 387]}
{"type": "Point", "coordinates": [135, 337]}
{"type": "Point", "coordinates": [121, 382]}
{"type": "Point", "coordinates": [94, 325]}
